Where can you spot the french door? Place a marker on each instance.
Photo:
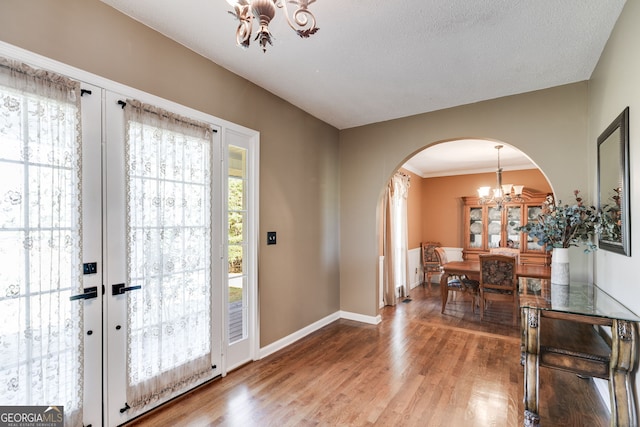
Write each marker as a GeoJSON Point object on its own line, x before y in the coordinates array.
{"type": "Point", "coordinates": [50, 229]}
{"type": "Point", "coordinates": [156, 256]}
{"type": "Point", "coordinates": [168, 271]}
{"type": "Point", "coordinates": [162, 329]}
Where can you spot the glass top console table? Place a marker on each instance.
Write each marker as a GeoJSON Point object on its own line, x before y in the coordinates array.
{"type": "Point", "coordinates": [558, 332]}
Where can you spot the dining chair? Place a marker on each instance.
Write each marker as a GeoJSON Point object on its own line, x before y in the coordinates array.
{"type": "Point", "coordinates": [458, 284]}
{"type": "Point", "coordinates": [498, 281]}
{"type": "Point", "coordinates": [514, 252]}
{"type": "Point", "coordinates": [430, 262]}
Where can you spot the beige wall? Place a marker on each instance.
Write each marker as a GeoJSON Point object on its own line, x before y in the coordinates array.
{"type": "Point", "coordinates": [550, 126]}
{"type": "Point", "coordinates": [615, 84]}
{"type": "Point", "coordinates": [299, 176]}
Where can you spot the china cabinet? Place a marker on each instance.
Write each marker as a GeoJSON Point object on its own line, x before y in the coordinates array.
{"type": "Point", "coordinates": [486, 226]}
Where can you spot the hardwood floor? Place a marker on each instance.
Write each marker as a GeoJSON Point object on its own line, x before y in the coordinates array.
{"type": "Point", "coordinates": [417, 368]}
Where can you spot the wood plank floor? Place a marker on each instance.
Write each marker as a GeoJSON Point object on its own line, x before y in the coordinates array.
{"type": "Point", "coordinates": [417, 368]}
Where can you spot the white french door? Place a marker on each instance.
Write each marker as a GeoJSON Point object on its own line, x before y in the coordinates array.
{"type": "Point", "coordinates": [92, 232]}
{"type": "Point", "coordinates": [50, 312]}
{"type": "Point", "coordinates": [155, 244]}
{"type": "Point", "coordinates": [162, 329]}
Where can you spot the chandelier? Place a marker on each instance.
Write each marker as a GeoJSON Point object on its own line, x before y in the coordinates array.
{"type": "Point", "coordinates": [301, 21]}
{"type": "Point", "coordinates": [503, 193]}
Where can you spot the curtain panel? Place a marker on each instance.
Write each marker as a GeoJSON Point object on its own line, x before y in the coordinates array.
{"type": "Point", "coordinates": [395, 243]}
{"type": "Point", "coordinates": [41, 340]}
{"type": "Point", "coordinates": [168, 190]}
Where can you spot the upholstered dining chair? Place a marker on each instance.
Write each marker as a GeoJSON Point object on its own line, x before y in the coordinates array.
{"type": "Point", "coordinates": [514, 252]}
{"type": "Point", "coordinates": [498, 281]}
{"type": "Point", "coordinates": [458, 284]}
{"type": "Point", "coordinates": [430, 262]}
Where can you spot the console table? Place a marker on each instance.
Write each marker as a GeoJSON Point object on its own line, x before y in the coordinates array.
{"type": "Point", "coordinates": [558, 332]}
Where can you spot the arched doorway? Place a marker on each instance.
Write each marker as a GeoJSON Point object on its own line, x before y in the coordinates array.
{"type": "Point", "coordinates": [443, 173]}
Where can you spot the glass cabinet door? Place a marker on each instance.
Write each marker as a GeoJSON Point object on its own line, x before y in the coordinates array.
{"type": "Point", "coordinates": [475, 227]}
{"type": "Point", "coordinates": [514, 220]}
{"type": "Point", "coordinates": [532, 215]}
{"type": "Point", "coordinates": [494, 228]}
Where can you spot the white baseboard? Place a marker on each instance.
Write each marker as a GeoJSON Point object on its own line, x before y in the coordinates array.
{"type": "Point", "coordinates": [414, 267]}
{"type": "Point", "coordinates": [372, 320]}
{"type": "Point", "coordinates": [290, 339]}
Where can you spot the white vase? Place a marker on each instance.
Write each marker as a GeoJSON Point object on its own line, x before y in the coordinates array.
{"type": "Point", "coordinates": [560, 266]}
{"type": "Point", "coordinates": [559, 296]}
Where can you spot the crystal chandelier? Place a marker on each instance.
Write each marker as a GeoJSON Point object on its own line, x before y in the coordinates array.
{"type": "Point", "coordinates": [302, 21]}
{"type": "Point", "coordinates": [503, 193]}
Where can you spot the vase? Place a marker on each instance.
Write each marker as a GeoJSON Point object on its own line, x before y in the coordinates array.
{"type": "Point", "coordinates": [560, 266]}
{"type": "Point", "coordinates": [559, 296]}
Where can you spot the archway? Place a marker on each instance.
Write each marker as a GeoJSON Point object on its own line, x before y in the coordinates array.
{"type": "Point", "coordinates": [441, 174]}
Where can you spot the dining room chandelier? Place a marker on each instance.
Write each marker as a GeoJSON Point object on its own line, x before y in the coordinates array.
{"type": "Point", "coordinates": [502, 193]}
{"type": "Point", "coordinates": [301, 21]}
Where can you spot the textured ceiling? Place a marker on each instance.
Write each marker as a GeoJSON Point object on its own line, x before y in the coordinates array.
{"type": "Point", "coordinates": [377, 60]}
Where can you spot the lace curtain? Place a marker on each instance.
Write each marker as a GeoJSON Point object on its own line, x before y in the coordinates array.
{"type": "Point", "coordinates": [395, 244]}
{"type": "Point", "coordinates": [168, 160]}
{"type": "Point", "coordinates": [41, 344]}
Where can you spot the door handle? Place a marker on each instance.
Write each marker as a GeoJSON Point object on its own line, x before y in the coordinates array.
{"type": "Point", "coordinates": [120, 288]}
{"type": "Point", "coordinates": [88, 294]}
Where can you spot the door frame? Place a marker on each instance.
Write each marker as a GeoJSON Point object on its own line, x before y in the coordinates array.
{"type": "Point", "coordinates": [238, 354]}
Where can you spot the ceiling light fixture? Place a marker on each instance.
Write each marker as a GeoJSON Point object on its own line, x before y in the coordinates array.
{"type": "Point", "coordinates": [503, 192]}
{"type": "Point", "coordinates": [302, 21]}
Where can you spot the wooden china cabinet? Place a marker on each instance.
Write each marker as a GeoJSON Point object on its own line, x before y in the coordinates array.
{"type": "Point", "coordinates": [486, 227]}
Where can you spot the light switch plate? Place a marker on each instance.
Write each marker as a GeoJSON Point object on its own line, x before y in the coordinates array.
{"type": "Point", "coordinates": [271, 237]}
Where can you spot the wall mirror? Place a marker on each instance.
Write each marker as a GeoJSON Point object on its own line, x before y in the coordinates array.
{"type": "Point", "coordinates": [613, 185]}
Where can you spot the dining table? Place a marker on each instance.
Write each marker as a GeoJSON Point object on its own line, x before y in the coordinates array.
{"type": "Point", "coordinates": [471, 269]}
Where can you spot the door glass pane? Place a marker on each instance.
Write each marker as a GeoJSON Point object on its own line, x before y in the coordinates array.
{"type": "Point", "coordinates": [41, 340]}
{"type": "Point", "coordinates": [237, 282]}
{"type": "Point", "coordinates": [475, 227]}
{"type": "Point", "coordinates": [514, 220]}
{"type": "Point", "coordinates": [237, 217]}
{"type": "Point", "coordinates": [494, 228]}
{"type": "Point", "coordinates": [532, 215]}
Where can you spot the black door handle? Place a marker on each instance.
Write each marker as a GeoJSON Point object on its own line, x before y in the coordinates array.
{"type": "Point", "coordinates": [120, 288]}
{"type": "Point", "coordinates": [88, 294]}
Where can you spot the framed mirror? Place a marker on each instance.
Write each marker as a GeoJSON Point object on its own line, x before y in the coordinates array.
{"type": "Point", "coordinates": [613, 185]}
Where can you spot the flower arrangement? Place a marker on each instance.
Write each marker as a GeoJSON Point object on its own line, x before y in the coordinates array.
{"type": "Point", "coordinates": [562, 226]}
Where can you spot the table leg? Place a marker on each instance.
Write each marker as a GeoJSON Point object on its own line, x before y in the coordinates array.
{"type": "Point", "coordinates": [531, 322]}
{"type": "Point", "coordinates": [444, 291]}
{"type": "Point", "coordinates": [622, 364]}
